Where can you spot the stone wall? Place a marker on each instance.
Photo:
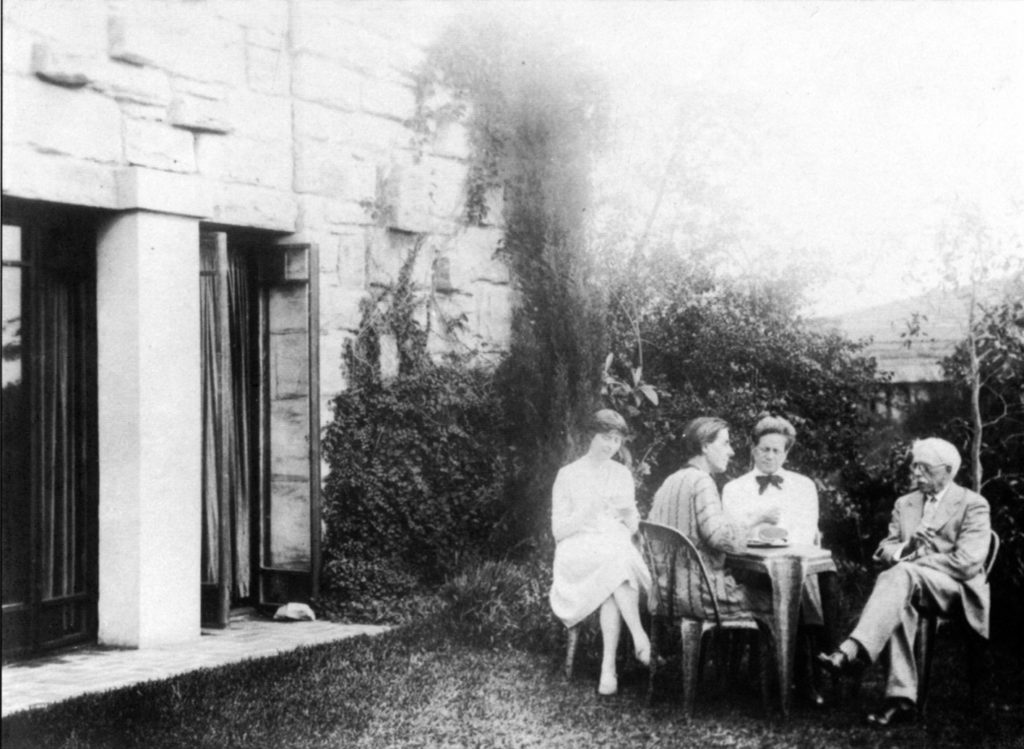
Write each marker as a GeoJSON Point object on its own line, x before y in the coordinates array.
{"type": "Point", "coordinates": [282, 115]}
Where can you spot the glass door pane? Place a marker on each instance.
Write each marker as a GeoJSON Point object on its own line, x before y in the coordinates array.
{"type": "Point", "coordinates": [15, 447]}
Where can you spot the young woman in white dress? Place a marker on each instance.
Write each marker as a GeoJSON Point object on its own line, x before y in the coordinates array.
{"type": "Point", "coordinates": [597, 565]}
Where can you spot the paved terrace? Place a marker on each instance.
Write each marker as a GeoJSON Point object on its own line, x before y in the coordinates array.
{"type": "Point", "coordinates": [71, 673]}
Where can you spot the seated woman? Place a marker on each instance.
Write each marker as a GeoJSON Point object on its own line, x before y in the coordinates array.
{"type": "Point", "coordinates": [688, 501]}
{"type": "Point", "coordinates": [593, 519]}
{"type": "Point", "coordinates": [768, 486]}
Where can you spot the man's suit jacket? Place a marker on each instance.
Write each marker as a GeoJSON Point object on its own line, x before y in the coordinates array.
{"type": "Point", "coordinates": [959, 546]}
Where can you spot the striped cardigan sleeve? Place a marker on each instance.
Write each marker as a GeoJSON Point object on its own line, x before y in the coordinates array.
{"type": "Point", "coordinates": [717, 529]}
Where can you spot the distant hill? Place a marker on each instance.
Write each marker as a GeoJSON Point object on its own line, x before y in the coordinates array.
{"type": "Point", "coordinates": [943, 325]}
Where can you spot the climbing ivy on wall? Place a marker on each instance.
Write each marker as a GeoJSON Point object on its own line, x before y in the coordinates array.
{"type": "Point", "coordinates": [535, 113]}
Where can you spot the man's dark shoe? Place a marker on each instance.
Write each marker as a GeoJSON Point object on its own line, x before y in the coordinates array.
{"type": "Point", "coordinates": [895, 713]}
{"type": "Point", "coordinates": [837, 663]}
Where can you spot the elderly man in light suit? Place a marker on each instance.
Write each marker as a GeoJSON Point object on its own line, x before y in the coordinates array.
{"type": "Point", "coordinates": [938, 539]}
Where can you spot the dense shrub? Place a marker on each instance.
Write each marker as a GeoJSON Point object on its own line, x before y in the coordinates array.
{"type": "Point", "coordinates": [416, 480]}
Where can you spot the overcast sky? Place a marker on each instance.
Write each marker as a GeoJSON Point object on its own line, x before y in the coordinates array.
{"type": "Point", "coordinates": [865, 122]}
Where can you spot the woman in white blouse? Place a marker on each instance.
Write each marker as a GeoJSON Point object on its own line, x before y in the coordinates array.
{"type": "Point", "coordinates": [597, 565]}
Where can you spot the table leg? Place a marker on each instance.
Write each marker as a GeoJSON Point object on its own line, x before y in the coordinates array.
{"type": "Point", "coordinates": [828, 584]}
{"type": "Point", "coordinates": [786, 593]}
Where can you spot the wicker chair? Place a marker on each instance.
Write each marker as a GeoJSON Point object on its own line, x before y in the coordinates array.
{"type": "Point", "coordinates": [924, 644]}
{"type": "Point", "coordinates": [667, 551]}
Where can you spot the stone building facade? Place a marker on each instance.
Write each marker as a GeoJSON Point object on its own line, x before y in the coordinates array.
{"type": "Point", "coordinates": [154, 153]}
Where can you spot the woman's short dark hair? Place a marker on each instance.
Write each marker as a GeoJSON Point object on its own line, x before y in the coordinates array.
{"type": "Point", "coordinates": [699, 432]}
{"type": "Point", "coordinates": [607, 420]}
{"type": "Point", "coordinates": [774, 425]}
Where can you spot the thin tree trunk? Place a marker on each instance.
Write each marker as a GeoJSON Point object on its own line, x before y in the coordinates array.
{"type": "Point", "coordinates": [977, 426]}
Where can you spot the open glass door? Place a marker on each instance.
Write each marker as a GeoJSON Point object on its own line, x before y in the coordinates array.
{"type": "Point", "coordinates": [289, 400]}
{"type": "Point", "coordinates": [261, 447]}
{"type": "Point", "coordinates": [49, 428]}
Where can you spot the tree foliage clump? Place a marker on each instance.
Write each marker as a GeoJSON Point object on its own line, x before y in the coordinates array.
{"type": "Point", "coordinates": [535, 114]}
{"type": "Point", "coordinates": [714, 345]}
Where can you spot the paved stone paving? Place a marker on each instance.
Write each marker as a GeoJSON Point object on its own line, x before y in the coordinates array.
{"type": "Point", "coordinates": [71, 673]}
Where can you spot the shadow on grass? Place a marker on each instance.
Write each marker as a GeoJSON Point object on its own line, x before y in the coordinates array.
{"type": "Point", "coordinates": [423, 686]}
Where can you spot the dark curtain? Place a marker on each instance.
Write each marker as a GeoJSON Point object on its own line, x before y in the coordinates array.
{"type": "Point", "coordinates": [61, 398]}
{"type": "Point", "coordinates": [242, 380]}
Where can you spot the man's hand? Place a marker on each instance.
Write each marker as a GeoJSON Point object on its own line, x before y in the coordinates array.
{"type": "Point", "coordinates": [921, 542]}
{"type": "Point", "coordinates": [770, 516]}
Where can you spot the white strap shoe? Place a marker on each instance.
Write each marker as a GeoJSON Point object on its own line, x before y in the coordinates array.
{"type": "Point", "coordinates": [608, 685]}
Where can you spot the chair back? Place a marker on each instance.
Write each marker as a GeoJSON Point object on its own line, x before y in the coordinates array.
{"type": "Point", "coordinates": [682, 586]}
{"type": "Point", "coordinates": [993, 551]}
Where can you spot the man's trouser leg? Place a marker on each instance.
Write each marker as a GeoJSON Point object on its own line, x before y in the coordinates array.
{"type": "Point", "coordinates": [890, 617]}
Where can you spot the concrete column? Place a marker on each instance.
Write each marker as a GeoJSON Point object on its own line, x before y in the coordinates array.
{"type": "Point", "coordinates": [150, 430]}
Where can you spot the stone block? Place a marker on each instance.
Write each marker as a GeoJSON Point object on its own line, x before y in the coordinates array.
{"type": "Point", "coordinates": [323, 80]}
{"type": "Point", "coordinates": [17, 49]}
{"type": "Point", "coordinates": [268, 69]}
{"type": "Point", "coordinates": [351, 266]}
{"type": "Point", "coordinates": [406, 23]}
{"type": "Point", "coordinates": [330, 32]}
{"type": "Point", "coordinates": [387, 251]}
{"type": "Point", "coordinates": [342, 262]}
{"type": "Point", "coordinates": [131, 83]}
{"type": "Point", "coordinates": [312, 214]}
{"type": "Point", "coordinates": [260, 116]}
{"type": "Point", "coordinates": [321, 28]}
{"type": "Point", "coordinates": [29, 174]}
{"type": "Point", "coordinates": [492, 313]}
{"type": "Point", "coordinates": [416, 195]}
{"type": "Point", "coordinates": [153, 34]}
{"type": "Point", "coordinates": [161, 191]}
{"type": "Point", "coordinates": [136, 111]}
{"type": "Point", "coordinates": [212, 90]}
{"type": "Point", "coordinates": [341, 309]}
{"type": "Point", "coordinates": [199, 115]}
{"type": "Point", "coordinates": [320, 122]}
{"type": "Point", "coordinates": [76, 122]}
{"type": "Point", "coordinates": [388, 99]}
{"type": "Point", "coordinates": [349, 213]}
{"type": "Point", "coordinates": [256, 207]}
{"type": "Point", "coordinates": [332, 375]}
{"type": "Point", "coordinates": [72, 25]}
{"type": "Point", "coordinates": [448, 187]}
{"type": "Point", "coordinates": [158, 145]}
{"type": "Point", "coordinates": [471, 256]}
{"type": "Point", "coordinates": [237, 159]}
{"type": "Point", "coordinates": [451, 140]}
{"type": "Point", "coordinates": [334, 170]}
{"type": "Point", "coordinates": [265, 21]}
{"type": "Point", "coordinates": [62, 68]}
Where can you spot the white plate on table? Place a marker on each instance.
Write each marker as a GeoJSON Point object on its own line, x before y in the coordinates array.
{"type": "Point", "coordinates": [758, 544]}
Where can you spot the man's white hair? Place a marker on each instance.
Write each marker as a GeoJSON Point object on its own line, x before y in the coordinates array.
{"type": "Point", "coordinates": [936, 452]}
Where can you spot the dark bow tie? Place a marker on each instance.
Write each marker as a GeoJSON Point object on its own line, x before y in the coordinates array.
{"type": "Point", "coordinates": [763, 482]}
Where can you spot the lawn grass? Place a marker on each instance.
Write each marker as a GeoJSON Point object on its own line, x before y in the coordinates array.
{"type": "Point", "coordinates": [424, 686]}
